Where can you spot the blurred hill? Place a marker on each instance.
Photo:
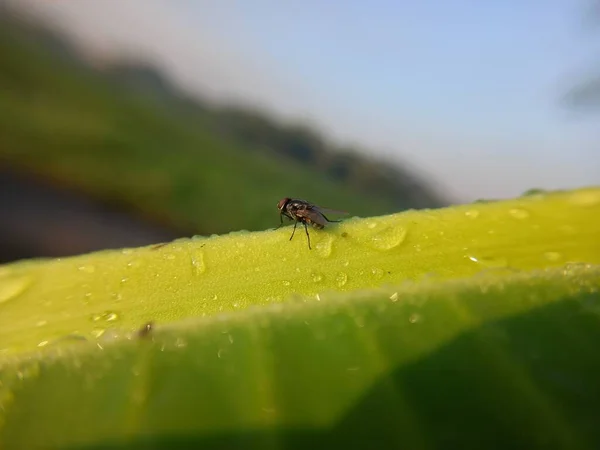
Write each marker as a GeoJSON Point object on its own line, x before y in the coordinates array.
{"type": "Point", "coordinates": [123, 134]}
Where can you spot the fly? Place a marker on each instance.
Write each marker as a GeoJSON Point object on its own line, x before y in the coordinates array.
{"type": "Point", "coordinates": [305, 213]}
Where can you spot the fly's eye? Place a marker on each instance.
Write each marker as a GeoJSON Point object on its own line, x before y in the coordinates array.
{"type": "Point", "coordinates": [282, 202]}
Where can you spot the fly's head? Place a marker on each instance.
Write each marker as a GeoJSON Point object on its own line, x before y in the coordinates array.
{"type": "Point", "coordinates": [282, 204]}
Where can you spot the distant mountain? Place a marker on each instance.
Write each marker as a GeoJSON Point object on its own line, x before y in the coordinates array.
{"type": "Point", "coordinates": [125, 132]}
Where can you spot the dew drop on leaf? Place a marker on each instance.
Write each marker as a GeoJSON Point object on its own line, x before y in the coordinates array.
{"type": "Point", "coordinates": [134, 263]}
{"type": "Point", "coordinates": [394, 297]}
{"type": "Point", "coordinates": [414, 318]}
{"type": "Point", "coordinates": [197, 260]}
{"type": "Point", "coordinates": [87, 269]}
{"type": "Point", "coordinates": [341, 279]}
{"type": "Point", "coordinates": [97, 332]}
{"type": "Point", "coordinates": [359, 321]}
{"type": "Point", "coordinates": [324, 246]}
{"type": "Point", "coordinates": [316, 277]}
{"type": "Point", "coordinates": [489, 261]}
{"type": "Point", "coordinates": [472, 214]}
{"type": "Point", "coordinates": [552, 256]}
{"type": "Point", "coordinates": [518, 213]}
{"type": "Point", "coordinates": [13, 287]}
{"type": "Point", "coordinates": [377, 273]}
{"type": "Point", "coordinates": [389, 238]}
{"type": "Point", "coordinates": [106, 316]}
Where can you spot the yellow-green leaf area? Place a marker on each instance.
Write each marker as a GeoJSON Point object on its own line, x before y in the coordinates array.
{"type": "Point", "coordinates": [494, 361]}
{"type": "Point", "coordinates": [106, 293]}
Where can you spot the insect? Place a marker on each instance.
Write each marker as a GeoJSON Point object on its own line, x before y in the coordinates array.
{"type": "Point", "coordinates": [145, 330]}
{"type": "Point", "coordinates": [305, 213]}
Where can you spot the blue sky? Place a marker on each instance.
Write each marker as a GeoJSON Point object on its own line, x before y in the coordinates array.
{"type": "Point", "coordinates": [465, 91]}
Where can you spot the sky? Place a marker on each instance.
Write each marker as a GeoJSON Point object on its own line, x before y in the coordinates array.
{"type": "Point", "coordinates": [463, 91]}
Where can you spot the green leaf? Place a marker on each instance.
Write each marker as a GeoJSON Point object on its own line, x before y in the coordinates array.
{"type": "Point", "coordinates": [474, 325]}
{"type": "Point", "coordinates": [492, 362]}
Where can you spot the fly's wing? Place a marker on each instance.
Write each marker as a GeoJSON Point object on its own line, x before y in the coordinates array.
{"type": "Point", "coordinates": [330, 211]}
{"type": "Point", "coordinates": [313, 214]}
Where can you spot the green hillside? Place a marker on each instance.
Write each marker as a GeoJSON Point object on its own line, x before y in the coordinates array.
{"type": "Point", "coordinates": [166, 155]}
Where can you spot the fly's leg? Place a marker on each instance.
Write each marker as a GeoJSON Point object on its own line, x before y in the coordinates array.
{"type": "Point", "coordinates": [280, 221]}
{"type": "Point", "coordinates": [295, 225]}
{"type": "Point", "coordinates": [307, 235]}
{"type": "Point", "coordinates": [328, 220]}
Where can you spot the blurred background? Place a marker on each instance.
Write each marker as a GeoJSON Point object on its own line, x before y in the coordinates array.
{"type": "Point", "coordinates": [135, 122]}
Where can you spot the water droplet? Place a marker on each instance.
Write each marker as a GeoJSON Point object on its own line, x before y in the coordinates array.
{"type": "Point", "coordinates": [414, 318]}
{"type": "Point", "coordinates": [127, 251]}
{"type": "Point", "coordinates": [346, 263]}
{"type": "Point", "coordinates": [124, 280]}
{"type": "Point", "coordinates": [518, 213]}
{"type": "Point", "coordinates": [359, 321]}
{"type": "Point", "coordinates": [87, 269]}
{"type": "Point", "coordinates": [394, 297]}
{"type": "Point", "coordinates": [323, 247]}
{"type": "Point", "coordinates": [316, 277]}
{"type": "Point", "coordinates": [472, 214]}
{"type": "Point", "coordinates": [230, 337]}
{"type": "Point", "coordinates": [286, 283]}
{"type": "Point", "coordinates": [134, 263]}
{"type": "Point", "coordinates": [318, 297]}
{"type": "Point", "coordinates": [377, 273]}
{"type": "Point", "coordinates": [180, 343]}
{"type": "Point", "coordinates": [585, 198]}
{"type": "Point", "coordinates": [169, 256]}
{"type": "Point", "coordinates": [12, 288]}
{"type": "Point", "coordinates": [106, 316]}
{"type": "Point", "coordinates": [97, 332]}
{"type": "Point", "coordinates": [389, 238]}
{"type": "Point", "coordinates": [43, 344]}
{"type": "Point", "coordinates": [341, 279]}
{"type": "Point", "coordinates": [489, 261]}
{"type": "Point", "coordinates": [552, 256]}
{"type": "Point", "coordinates": [198, 266]}
{"type": "Point", "coordinates": [220, 353]}
{"type": "Point", "coordinates": [371, 225]}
